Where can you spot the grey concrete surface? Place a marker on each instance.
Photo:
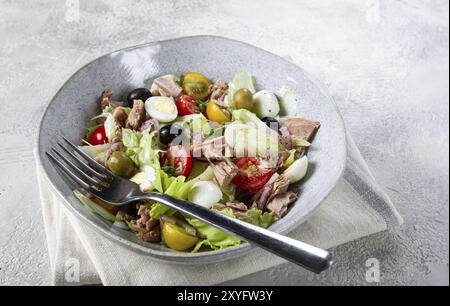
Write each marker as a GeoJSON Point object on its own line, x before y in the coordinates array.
{"type": "Point", "coordinates": [385, 61]}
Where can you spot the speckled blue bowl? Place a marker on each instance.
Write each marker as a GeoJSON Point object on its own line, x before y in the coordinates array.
{"type": "Point", "coordinates": [75, 103]}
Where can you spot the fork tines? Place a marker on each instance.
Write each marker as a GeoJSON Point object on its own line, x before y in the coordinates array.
{"type": "Point", "coordinates": [94, 177]}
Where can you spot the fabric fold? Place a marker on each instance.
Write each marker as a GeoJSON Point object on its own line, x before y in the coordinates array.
{"type": "Point", "coordinates": [356, 208]}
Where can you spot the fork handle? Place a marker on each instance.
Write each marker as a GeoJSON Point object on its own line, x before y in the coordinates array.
{"type": "Point", "coordinates": [302, 254]}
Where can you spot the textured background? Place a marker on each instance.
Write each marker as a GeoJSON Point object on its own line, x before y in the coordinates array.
{"type": "Point", "coordinates": [386, 61]}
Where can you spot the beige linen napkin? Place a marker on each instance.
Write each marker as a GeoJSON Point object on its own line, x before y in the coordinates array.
{"type": "Point", "coordinates": [356, 208]}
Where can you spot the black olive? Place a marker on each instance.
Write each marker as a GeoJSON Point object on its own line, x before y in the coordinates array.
{"type": "Point", "coordinates": [272, 123]}
{"type": "Point", "coordinates": [138, 94]}
{"type": "Point", "coordinates": [169, 132]}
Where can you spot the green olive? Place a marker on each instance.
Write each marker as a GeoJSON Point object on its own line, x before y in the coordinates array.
{"type": "Point", "coordinates": [243, 98]}
{"type": "Point", "coordinates": [196, 85]}
{"type": "Point", "coordinates": [120, 164]}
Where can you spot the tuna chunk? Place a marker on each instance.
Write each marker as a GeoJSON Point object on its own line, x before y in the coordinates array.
{"type": "Point", "coordinates": [120, 116]}
{"type": "Point", "coordinates": [239, 209]}
{"type": "Point", "coordinates": [224, 171]}
{"type": "Point", "coordinates": [105, 100]}
{"type": "Point", "coordinates": [302, 128]}
{"type": "Point", "coordinates": [285, 138]}
{"type": "Point", "coordinates": [277, 185]}
{"type": "Point", "coordinates": [136, 116]}
{"type": "Point", "coordinates": [298, 128]}
{"type": "Point", "coordinates": [127, 213]}
{"type": "Point", "coordinates": [218, 91]}
{"type": "Point", "coordinates": [214, 149]}
{"type": "Point", "coordinates": [167, 87]}
{"type": "Point", "coordinates": [146, 228]}
{"type": "Point", "coordinates": [279, 204]}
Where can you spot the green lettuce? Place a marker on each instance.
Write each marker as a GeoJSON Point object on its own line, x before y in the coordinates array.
{"type": "Point", "coordinates": [198, 168]}
{"type": "Point", "coordinates": [94, 206]}
{"type": "Point", "coordinates": [291, 159]}
{"type": "Point", "coordinates": [141, 148]}
{"type": "Point", "coordinates": [196, 123]}
{"type": "Point", "coordinates": [299, 142]}
{"type": "Point", "coordinates": [162, 181]}
{"type": "Point", "coordinates": [110, 123]}
{"type": "Point", "coordinates": [97, 152]}
{"type": "Point", "coordinates": [174, 190]}
{"type": "Point", "coordinates": [228, 193]}
{"type": "Point", "coordinates": [177, 188]}
{"type": "Point", "coordinates": [247, 117]}
{"type": "Point", "coordinates": [212, 237]}
{"type": "Point", "coordinates": [131, 138]}
{"type": "Point", "coordinates": [257, 217]}
{"type": "Point", "coordinates": [240, 80]}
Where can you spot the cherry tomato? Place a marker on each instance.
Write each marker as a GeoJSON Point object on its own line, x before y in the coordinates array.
{"type": "Point", "coordinates": [179, 159]}
{"type": "Point", "coordinates": [186, 106]}
{"type": "Point", "coordinates": [197, 85]}
{"type": "Point", "coordinates": [98, 136]}
{"type": "Point", "coordinates": [215, 113]}
{"type": "Point", "coordinates": [252, 176]}
{"type": "Point", "coordinates": [177, 238]}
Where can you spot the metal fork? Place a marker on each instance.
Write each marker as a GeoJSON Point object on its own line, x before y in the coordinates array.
{"type": "Point", "coordinates": [102, 183]}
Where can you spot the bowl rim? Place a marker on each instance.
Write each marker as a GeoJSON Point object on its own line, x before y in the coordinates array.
{"type": "Point", "coordinates": [186, 257]}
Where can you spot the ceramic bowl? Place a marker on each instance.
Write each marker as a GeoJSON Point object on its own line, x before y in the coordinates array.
{"type": "Point", "coordinates": [70, 110]}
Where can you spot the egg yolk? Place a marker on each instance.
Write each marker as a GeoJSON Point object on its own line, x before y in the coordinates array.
{"type": "Point", "coordinates": [164, 106]}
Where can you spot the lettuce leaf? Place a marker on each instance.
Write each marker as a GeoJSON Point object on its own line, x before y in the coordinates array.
{"type": "Point", "coordinates": [290, 160]}
{"type": "Point", "coordinates": [141, 148]}
{"type": "Point", "coordinates": [247, 117]}
{"type": "Point", "coordinates": [196, 123]}
{"type": "Point", "coordinates": [143, 151]}
{"type": "Point", "coordinates": [257, 217]}
{"type": "Point", "coordinates": [240, 80]}
{"type": "Point", "coordinates": [228, 193]}
{"type": "Point", "coordinates": [206, 175]}
{"type": "Point", "coordinates": [149, 152]}
{"type": "Point", "coordinates": [166, 180]}
{"type": "Point", "coordinates": [130, 138]}
{"type": "Point", "coordinates": [217, 239]}
{"type": "Point", "coordinates": [198, 167]}
{"type": "Point", "coordinates": [110, 123]}
{"type": "Point", "coordinates": [94, 206]}
{"type": "Point", "coordinates": [212, 237]}
{"type": "Point", "coordinates": [177, 188]}
{"type": "Point", "coordinates": [174, 190]}
{"type": "Point", "coordinates": [97, 152]}
{"type": "Point", "coordinates": [298, 142]}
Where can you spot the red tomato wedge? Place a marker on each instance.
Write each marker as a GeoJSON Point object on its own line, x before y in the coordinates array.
{"type": "Point", "coordinates": [98, 136]}
{"type": "Point", "coordinates": [186, 106]}
{"type": "Point", "coordinates": [178, 158]}
{"type": "Point", "coordinates": [251, 177]}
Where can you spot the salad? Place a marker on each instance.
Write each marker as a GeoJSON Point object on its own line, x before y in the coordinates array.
{"type": "Point", "coordinates": [222, 145]}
